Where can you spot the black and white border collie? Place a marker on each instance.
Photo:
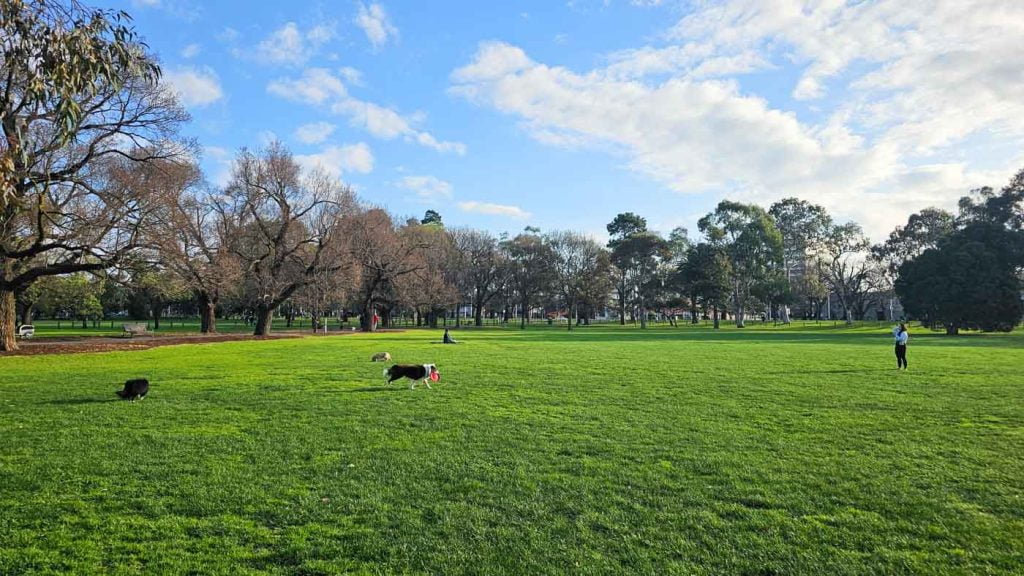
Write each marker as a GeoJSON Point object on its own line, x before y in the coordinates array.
{"type": "Point", "coordinates": [414, 372]}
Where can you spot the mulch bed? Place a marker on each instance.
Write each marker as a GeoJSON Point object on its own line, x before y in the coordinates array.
{"type": "Point", "coordinates": [87, 344]}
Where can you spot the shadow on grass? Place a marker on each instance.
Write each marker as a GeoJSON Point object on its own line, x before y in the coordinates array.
{"type": "Point", "coordinates": [79, 401]}
{"type": "Point", "coordinates": [377, 389]}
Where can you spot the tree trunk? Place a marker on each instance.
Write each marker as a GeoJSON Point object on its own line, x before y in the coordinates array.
{"type": "Point", "coordinates": [952, 330]}
{"type": "Point", "coordinates": [524, 313]}
{"type": "Point", "coordinates": [26, 313]}
{"type": "Point", "coordinates": [478, 315]}
{"type": "Point", "coordinates": [784, 314]}
{"type": "Point", "coordinates": [264, 320]}
{"type": "Point", "coordinates": [643, 315]}
{"type": "Point", "coordinates": [157, 310]}
{"type": "Point", "coordinates": [714, 313]}
{"type": "Point", "coordinates": [366, 318]}
{"type": "Point", "coordinates": [7, 316]}
{"type": "Point", "coordinates": [207, 314]}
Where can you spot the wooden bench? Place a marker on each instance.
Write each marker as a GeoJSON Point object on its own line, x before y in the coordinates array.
{"type": "Point", "coordinates": [131, 330]}
{"type": "Point", "coordinates": [26, 331]}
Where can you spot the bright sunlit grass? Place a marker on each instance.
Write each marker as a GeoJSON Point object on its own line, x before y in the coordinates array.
{"type": "Point", "coordinates": [766, 451]}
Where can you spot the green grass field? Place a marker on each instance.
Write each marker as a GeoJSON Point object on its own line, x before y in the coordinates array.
{"type": "Point", "coordinates": [608, 450]}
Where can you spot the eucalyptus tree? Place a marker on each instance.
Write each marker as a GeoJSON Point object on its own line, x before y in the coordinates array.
{"type": "Point", "coordinates": [704, 276]}
{"type": "Point", "coordinates": [752, 244]}
{"type": "Point", "coordinates": [621, 227]}
{"type": "Point", "coordinates": [81, 106]}
{"type": "Point", "coordinates": [803, 227]}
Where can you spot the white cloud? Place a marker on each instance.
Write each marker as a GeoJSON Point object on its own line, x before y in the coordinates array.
{"type": "Point", "coordinates": [145, 3]}
{"type": "Point", "coordinates": [427, 188]}
{"type": "Point", "coordinates": [191, 51]}
{"type": "Point", "coordinates": [375, 23]}
{"type": "Point", "coordinates": [314, 133]}
{"type": "Point", "coordinates": [494, 209]}
{"type": "Point", "coordinates": [338, 160]}
{"type": "Point", "coordinates": [291, 46]}
{"type": "Point", "coordinates": [194, 87]}
{"type": "Point", "coordinates": [320, 86]}
{"type": "Point", "coordinates": [920, 94]}
{"type": "Point", "coordinates": [316, 86]}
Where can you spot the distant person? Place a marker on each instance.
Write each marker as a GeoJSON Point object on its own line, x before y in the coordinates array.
{"type": "Point", "coordinates": [901, 345]}
{"type": "Point", "coordinates": [376, 320]}
{"type": "Point", "coordinates": [448, 338]}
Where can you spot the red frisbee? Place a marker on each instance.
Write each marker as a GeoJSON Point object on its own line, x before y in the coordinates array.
{"type": "Point", "coordinates": [435, 376]}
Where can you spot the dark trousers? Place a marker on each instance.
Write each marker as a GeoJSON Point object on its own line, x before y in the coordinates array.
{"type": "Point", "coordinates": [901, 355]}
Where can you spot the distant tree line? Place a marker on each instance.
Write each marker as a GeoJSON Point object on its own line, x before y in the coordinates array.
{"type": "Point", "coordinates": [103, 210]}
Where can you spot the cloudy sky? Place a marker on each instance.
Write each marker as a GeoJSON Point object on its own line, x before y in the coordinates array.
{"type": "Point", "coordinates": [560, 114]}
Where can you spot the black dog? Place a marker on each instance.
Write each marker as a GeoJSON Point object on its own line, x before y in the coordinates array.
{"type": "Point", "coordinates": [134, 389]}
{"type": "Point", "coordinates": [413, 372]}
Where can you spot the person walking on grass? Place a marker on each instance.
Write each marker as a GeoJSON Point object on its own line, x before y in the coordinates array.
{"type": "Point", "coordinates": [901, 346]}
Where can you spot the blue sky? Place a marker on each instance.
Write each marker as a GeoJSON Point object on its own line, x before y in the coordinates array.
{"type": "Point", "coordinates": [561, 114]}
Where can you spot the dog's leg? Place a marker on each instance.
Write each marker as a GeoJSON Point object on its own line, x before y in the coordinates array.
{"type": "Point", "coordinates": [412, 385]}
{"type": "Point", "coordinates": [427, 382]}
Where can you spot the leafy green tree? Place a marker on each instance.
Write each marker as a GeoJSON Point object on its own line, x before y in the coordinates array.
{"type": "Point", "coordinates": [923, 230]}
{"type": "Point", "coordinates": [432, 218]}
{"type": "Point", "coordinates": [639, 254]}
{"type": "Point", "coordinates": [970, 280]}
{"type": "Point", "coordinates": [705, 278]}
{"type": "Point", "coordinates": [753, 245]}
{"type": "Point", "coordinates": [972, 277]}
{"type": "Point", "coordinates": [621, 227]}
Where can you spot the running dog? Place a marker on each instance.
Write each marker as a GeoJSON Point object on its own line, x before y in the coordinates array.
{"type": "Point", "coordinates": [134, 389]}
{"type": "Point", "coordinates": [381, 357]}
{"type": "Point", "coordinates": [414, 372]}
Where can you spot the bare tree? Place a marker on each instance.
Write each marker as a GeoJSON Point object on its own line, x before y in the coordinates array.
{"type": "Point", "coordinates": [484, 266]}
{"type": "Point", "coordinates": [284, 226]}
{"type": "Point", "coordinates": [532, 270]}
{"type": "Point", "coordinates": [579, 259]}
{"type": "Point", "coordinates": [846, 268]}
{"type": "Point", "coordinates": [80, 109]}
{"type": "Point", "coordinates": [429, 290]}
{"type": "Point", "coordinates": [193, 242]}
{"type": "Point", "coordinates": [385, 253]}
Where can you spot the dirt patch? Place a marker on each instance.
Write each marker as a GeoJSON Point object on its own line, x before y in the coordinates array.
{"type": "Point", "coordinates": [106, 344]}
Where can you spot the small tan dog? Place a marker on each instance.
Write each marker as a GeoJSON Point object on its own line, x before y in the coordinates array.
{"type": "Point", "coordinates": [381, 357]}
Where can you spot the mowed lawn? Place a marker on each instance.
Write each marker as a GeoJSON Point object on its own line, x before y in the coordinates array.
{"type": "Point", "coordinates": [608, 450]}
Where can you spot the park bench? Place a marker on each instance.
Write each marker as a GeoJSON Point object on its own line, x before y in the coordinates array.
{"type": "Point", "coordinates": [133, 329]}
{"type": "Point", "coordinates": [26, 331]}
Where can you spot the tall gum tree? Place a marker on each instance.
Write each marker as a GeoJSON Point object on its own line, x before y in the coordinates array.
{"type": "Point", "coordinates": [750, 241]}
